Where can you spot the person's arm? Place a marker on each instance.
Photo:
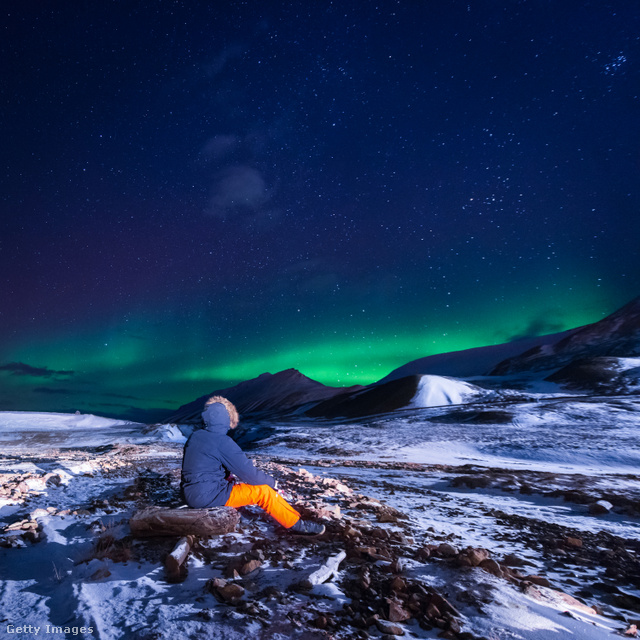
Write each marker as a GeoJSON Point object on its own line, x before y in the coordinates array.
{"type": "Point", "coordinates": [235, 460]}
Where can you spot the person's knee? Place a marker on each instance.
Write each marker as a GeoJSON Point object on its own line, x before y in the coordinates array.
{"type": "Point", "coordinates": [265, 492]}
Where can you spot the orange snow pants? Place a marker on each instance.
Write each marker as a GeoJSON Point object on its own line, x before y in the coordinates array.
{"type": "Point", "coordinates": [266, 498]}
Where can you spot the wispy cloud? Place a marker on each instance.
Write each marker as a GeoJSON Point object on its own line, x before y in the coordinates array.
{"type": "Point", "coordinates": [22, 369]}
{"type": "Point", "coordinates": [239, 190]}
{"type": "Point", "coordinates": [538, 327]}
{"type": "Point", "coordinates": [52, 391]}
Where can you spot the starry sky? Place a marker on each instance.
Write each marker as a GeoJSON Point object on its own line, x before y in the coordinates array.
{"type": "Point", "coordinates": [194, 193]}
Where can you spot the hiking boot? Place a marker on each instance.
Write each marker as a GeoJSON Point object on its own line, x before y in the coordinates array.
{"type": "Point", "coordinates": [307, 528]}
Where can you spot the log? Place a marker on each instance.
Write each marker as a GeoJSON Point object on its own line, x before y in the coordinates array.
{"type": "Point", "coordinates": [174, 560]}
{"type": "Point", "coordinates": [201, 523]}
{"type": "Point", "coordinates": [326, 570]}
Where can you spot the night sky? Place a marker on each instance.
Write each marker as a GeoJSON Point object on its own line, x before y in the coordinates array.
{"type": "Point", "coordinates": [194, 193]}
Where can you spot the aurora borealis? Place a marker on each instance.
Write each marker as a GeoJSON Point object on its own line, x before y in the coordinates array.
{"type": "Point", "coordinates": [194, 193]}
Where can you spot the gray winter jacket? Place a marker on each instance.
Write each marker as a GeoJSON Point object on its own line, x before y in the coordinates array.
{"type": "Point", "coordinates": [209, 456]}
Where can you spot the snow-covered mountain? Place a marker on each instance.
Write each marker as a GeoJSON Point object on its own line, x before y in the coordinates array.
{"type": "Point", "coordinates": [413, 391]}
{"type": "Point", "coordinates": [478, 361]}
{"type": "Point", "coordinates": [268, 392]}
{"type": "Point", "coordinates": [617, 335]}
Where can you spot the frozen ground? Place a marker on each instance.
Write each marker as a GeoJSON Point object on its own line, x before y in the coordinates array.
{"type": "Point", "coordinates": [516, 479]}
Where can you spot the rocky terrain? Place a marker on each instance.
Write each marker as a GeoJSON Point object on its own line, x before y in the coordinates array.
{"type": "Point", "coordinates": [68, 557]}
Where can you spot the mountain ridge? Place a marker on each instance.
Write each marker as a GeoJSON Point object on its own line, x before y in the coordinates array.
{"type": "Point", "coordinates": [615, 336]}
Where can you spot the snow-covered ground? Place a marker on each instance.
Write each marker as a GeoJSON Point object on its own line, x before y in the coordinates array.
{"type": "Point", "coordinates": [516, 479]}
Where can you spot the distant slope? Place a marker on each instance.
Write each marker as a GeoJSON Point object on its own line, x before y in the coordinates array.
{"type": "Point", "coordinates": [617, 335]}
{"type": "Point", "coordinates": [371, 400]}
{"type": "Point", "coordinates": [281, 392]}
{"type": "Point", "coordinates": [471, 362]}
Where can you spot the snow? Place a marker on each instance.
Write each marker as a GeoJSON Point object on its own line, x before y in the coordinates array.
{"type": "Point", "coordinates": [551, 443]}
{"type": "Point", "coordinates": [436, 391]}
{"type": "Point", "coordinates": [57, 429]}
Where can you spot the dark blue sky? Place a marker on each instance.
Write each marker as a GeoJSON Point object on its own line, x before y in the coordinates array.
{"type": "Point", "coordinates": [194, 193]}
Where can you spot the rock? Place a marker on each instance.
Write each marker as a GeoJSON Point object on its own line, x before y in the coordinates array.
{"type": "Point", "coordinates": [321, 621]}
{"type": "Point", "coordinates": [52, 479]}
{"type": "Point", "coordinates": [432, 612]}
{"type": "Point", "coordinates": [214, 584]}
{"type": "Point", "coordinates": [22, 487]}
{"type": "Point", "coordinates": [329, 511]}
{"type": "Point", "coordinates": [600, 508]}
{"type": "Point", "coordinates": [389, 628]}
{"type": "Point", "coordinates": [270, 593]}
{"type": "Point", "coordinates": [231, 571]}
{"type": "Point", "coordinates": [386, 516]}
{"type": "Point", "coordinates": [424, 553]}
{"type": "Point", "coordinates": [397, 566]}
{"type": "Point", "coordinates": [38, 513]}
{"type": "Point", "coordinates": [32, 535]}
{"type": "Point", "coordinates": [472, 557]}
{"type": "Point", "coordinates": [336, 484]}
{"type": "Point", "coordinates": [473, 482]}
{"type": "Point", "coordinates": [444, 605]}
{"type": "Point", "coordinates": [512, 560]}
{"type": "Point", "coordinates": [100, 574]}
{"type": "Point", "coordinates": [231, 592]}
{"type": "Point", "coordinates": [366, 551]}
{"type": "Point", "coordinates": [576, 543]}
{"type": "Point", "coordinates": [398, 584]}
{"type": "Point", "coordinates": [557, 598]}
{"type": "Point", "coordinates": [365, 578]}
{"type": "Point", "coordinates": [491, 566]}
{"type": "Point", "coordinates": [454, 626]}
{"type": "Point", "coordinates": [539, 580]}
{"type": "Point", "coordinates": [446, 550]}
{"type": "Point", "coordinates": [397, 613]}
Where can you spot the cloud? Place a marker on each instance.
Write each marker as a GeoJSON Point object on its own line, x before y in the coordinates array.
{"type": "Point", "coordinates": [120, 395]}
{"type": "Point", "coordinates": [22, 369]}
{"type": "Point", "coordinates": [51, 390]}
{"type": "Point", "coordinates": [239, 190]}
{"type": "Point", "coordinates": [538, 327]}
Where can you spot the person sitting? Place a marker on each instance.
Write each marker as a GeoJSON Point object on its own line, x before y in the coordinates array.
{"type": "Point", "coordinates": [211, 459]}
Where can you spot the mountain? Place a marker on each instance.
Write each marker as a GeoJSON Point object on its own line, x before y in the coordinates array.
{"type": "Point", "coordinates": [412, 391]}
{"type": "Point", "coordinates": [478, 361]}
{"type": "Point", "coordinates": [597, 358]}
{"type": "Point", "coordinates": [281, 392]}
{"type": "Point", "coordinates": [601, 375]}
{"type": "Point", "coordinates": [617, 335]}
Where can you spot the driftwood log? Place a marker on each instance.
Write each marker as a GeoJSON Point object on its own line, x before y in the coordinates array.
{"type": "Point", "coordinates": [200, 523]}
{"type": "Point", "coordinates": [329, 568]}
{"type": "Point", "coordinates": [176, 558]}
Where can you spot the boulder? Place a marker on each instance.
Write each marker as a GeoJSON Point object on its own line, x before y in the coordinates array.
{"type": "Point", "coordinates": [599, 508]}
{"type": "Point", "coordinates": [389, 628]}
{"type": "Point", "coordinates": [446, 550]}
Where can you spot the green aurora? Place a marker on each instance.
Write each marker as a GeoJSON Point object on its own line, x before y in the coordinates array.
{"type": "Point", "coordinates": [136, 364]}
